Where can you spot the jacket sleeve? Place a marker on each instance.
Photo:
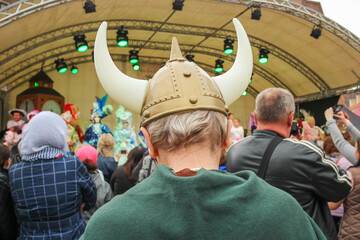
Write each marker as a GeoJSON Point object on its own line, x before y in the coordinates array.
{"type": "Point", "coordinates": [354, 132]}
{"type": "Point", "coordinates": [344, 147]}
{"type": "Point", "coordinates": [87, 186]}
{"type": "Point", "coordinates": [8, 221]}
{"type": "Point", "coordinates": [328, 181]}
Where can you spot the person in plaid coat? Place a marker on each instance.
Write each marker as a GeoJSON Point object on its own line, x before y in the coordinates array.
{"type": "Point", "coordinates": [49, 188]}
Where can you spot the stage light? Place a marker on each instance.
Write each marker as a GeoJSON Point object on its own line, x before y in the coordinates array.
{"type": "Point", "coordinates": [36, 84]}
{"type": "Point", "coordinates": [178, 5]}
{"type": "Point", "coordinates": [219, 65]}
{"type": "Point", "coordinates": [133, 57]}
{"type": "Point", "coordinates": [89, 6]}
{"type": "Point", "coordinates": [252, 74]}
{"type": "Point", "coordinates": [244, 93]}
{"type": "Point", "coordinates": [256, 14]}
{"type": "Point", "coordinates": [136, 67]}
{"type": "Point", "coordinates": [190, 57]}
{"type": "Point", "coordinates": [61, 66]}
{"type": "Point", "coordinates": [228, 46]}
{"type": "Point", "coordinates": [80, 43]}
{"type": "Point", "coordinates": [263, 56]}
{"type": "Point", "coordinates": [316, 32]}
{"type": "Point", "coordinates": [74, 70]}
{"type": "Point", "coordinates": [122, 38]}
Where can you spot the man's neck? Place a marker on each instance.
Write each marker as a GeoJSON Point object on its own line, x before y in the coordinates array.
{"type": "Point", "coordinates": [281, 129]}
{"type": "Point", "coordinates": [195, 156]}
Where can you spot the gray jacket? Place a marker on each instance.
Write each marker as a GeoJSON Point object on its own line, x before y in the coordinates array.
{"type": "Point", "coordinates": [297, 167]}
{"type": "Point", "coordinates": [104, 193]}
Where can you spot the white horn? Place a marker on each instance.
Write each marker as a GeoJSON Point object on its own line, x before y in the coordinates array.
{"type": "Point", "coordinates": [125, 90]}
{"type": "Point", "coordinates": [234, 82]}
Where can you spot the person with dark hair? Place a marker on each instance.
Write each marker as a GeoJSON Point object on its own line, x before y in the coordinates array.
{"type": "Point", "coordinates": [47, 186]}
{"type": "Point", "coordinates": [89, 157]}
{"type": "Point", "coordinates": [8, 220]}
{"type": "Point", "coordinates": [122, 179]}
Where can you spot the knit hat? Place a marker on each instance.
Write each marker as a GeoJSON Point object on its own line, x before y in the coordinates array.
{"type": "Point", "coordinates": [87, 152]}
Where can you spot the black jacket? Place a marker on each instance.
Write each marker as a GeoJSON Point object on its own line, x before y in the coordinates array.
{"type": "Point", "coordinates": [8, 220]}
{"type": "Point", "coordinates": [297, 167]}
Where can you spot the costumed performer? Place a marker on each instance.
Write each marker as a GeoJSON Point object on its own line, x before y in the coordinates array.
{"type": "Point", "coordinates": [14, 127]}
{"type": "Point", "coordinates": [184, 120]}
{"type": "Point", "coordinates": [124, 132]}
{"type": "Point", "coordinates": [96, 129]}
{"type": "Point", "coordinates": [75, 116]}
{"type": "Point", "coordinates": [72, 137]}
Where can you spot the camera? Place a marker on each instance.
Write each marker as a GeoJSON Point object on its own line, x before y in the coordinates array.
{"type": "Point", "coordinates": [295, 129]}
{"type": "Point", "coordinates": [337, 108]}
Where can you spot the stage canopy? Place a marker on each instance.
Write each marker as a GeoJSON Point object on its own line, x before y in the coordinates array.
{"type": "Point", "coordinates": [38, 32]}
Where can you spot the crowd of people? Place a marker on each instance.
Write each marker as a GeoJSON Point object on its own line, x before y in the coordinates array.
{"type": "Point", "coordinates": [274, 187]}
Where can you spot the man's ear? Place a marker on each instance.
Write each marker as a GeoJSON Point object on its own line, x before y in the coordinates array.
{"type": "Point", "coordinates": [228, 141]}
{"type": "Point", "coordinates": [290, 119]}
{"type": "Point", "coordinates": [255, 120]}
{"type": "Point", "coordinates": [153, 152]}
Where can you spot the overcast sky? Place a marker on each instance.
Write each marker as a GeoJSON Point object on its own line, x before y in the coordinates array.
{"type": "Point", "coordinates": [344, 12]}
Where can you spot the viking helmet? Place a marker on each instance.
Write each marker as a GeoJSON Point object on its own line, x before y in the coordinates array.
{"type": "Point", "coordinates": [178, 86]}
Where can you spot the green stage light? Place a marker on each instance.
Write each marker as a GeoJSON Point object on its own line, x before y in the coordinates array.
{"type": "Point", "coordinates": [244, 93]}
{"type": "Point", "coordinates": [61, 66]}
{"type": "Point", "coordinates": [228, 46]}
{"type": "Point", "coordinates": [219, 65]}
{"type": "Point", "coordinates": [74, 70]}
{"type": "Point", "coordinates": [121, 37]}
{"type": "Point", "coordinates": [80, 43]}
{"type": "Point", "coordinates": [263, 56]}
{"type": "Point", "coordinates": [136, 67]}
{"type": "Point", "coordinates": [36, 84]}
{"type": "Point", "coordinates": [133, 57]}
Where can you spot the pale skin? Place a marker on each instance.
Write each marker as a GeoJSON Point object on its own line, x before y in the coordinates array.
{"type": "Point", "coordinates": [282, 127]}
{"type": "Point", "coordinates": [194, 157]}
{"type": "Point", "coordinates": [17, 117]}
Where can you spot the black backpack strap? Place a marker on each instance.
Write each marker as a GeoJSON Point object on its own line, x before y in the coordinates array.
{"type": "Point", "coordinates": [267, 155]}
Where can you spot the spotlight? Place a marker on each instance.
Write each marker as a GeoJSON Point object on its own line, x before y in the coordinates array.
{"type": "Point", "coordinates": [80, 43]}
{"type": "Point", "coordinates": [122, 38]}
{"type": "Point", "coordinates": [316, 32]}
{"type": "Point", "coordinates": [89, 6]}
{"type": "Point", "coordinates": [36, 84]}
{"type": "Point", "coordinates": [178, 5]}
{"type": "Point", "coordinates": [219, 65]}
{"type": "Point", "coordinates": [190, 57]}
{"type": "Point", "coordinates": [136, 67]}
{"type": "Point", "coordinates": [74, 70]}
{"type": "Point", "coordinates": [263, 56]}
{"type": "Point", "coordinates": [133, 57]}
{"type": "Point", "coordinates": [256, 14]}
{"type": "Point", "coordinates": [228, 46]}
{"type": "Point", "coordinates": [244, 93]}
{"type": "Point", "coordinates": [61, 66]}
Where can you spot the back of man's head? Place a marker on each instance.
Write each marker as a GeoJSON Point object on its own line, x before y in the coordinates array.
{"type": "Point", "coordinates": [273, 105]}
{"type": "Point", "coordinates": [4, 155]}
{"type": "Point", "coordinates": [179, 130]}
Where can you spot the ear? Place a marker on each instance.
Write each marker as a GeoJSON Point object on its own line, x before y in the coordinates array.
{"type": "Point", "coordinates": [290, 119]}
{"type": "Point", "coordinates": [228, 142]}
{"type": "Point", "coordinates": [255, 119]}
{"type": "Point", "coordinates": [152, 150]}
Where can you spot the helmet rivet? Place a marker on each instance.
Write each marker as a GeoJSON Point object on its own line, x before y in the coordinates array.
{"type": "Point", "coordinates": [146, 114]}
{"type": "Point", "coordinates": [193, 99]}
{"type": "Point", "coordinates": [187, 74]}
{"type": "Point", "coordinates": [227, 108]}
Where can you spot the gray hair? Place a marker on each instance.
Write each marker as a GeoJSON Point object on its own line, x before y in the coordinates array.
{"type": "Point", "coordinates": [174, 131]}
{"type": "Point", "coordinates": [274, 105]}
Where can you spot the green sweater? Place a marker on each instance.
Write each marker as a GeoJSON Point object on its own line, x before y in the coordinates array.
{"type": "Point", "coordinates": [210, 205]}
